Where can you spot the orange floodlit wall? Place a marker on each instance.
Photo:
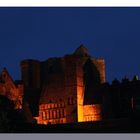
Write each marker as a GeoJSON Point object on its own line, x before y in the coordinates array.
{"type": "Point", "coordinates": [52, 113]}
{"type": "Point", "coordinates": [93, 112]}
{"type": "Point", "coordinates": [12, 91]}
{"type": "Point", "coordinates": [64, 83]}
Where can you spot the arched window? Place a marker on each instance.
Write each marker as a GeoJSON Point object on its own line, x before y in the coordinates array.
{"type": "Point", "coordinates": [60, 113]}
{"type": "Point", "coordinates": [54, 114]}
{"type": "Point", "coordinates": [63, 112]}
{"type": "Point", "coordinates": [48, 105]}
{"type": "Point", "coordinates": [50, 114]}
{"type": "Point", "coordinates": [58, 116]}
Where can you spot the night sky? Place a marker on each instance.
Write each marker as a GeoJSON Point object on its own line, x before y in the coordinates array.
{"type": "Point", "coordinates": [40, 33]}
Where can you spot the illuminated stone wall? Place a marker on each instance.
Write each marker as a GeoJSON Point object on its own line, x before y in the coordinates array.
{"type": "Point", "coordinates": [12, 91]}
{"type": "Point", "coordinates": [80, 90]}
{"type": "Point", "coordinates": [62, 84]}
{"type": "Point", "coordinates": [93, 112]}
{"type": "Point", "coordinates": [52, 113]}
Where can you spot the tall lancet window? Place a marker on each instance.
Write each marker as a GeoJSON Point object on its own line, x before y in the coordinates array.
{"type": "Point", "coordinates": [91, 82]}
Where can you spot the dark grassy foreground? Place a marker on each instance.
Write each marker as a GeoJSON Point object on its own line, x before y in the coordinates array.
{"type": "Point", "coordinates": [125, 125]}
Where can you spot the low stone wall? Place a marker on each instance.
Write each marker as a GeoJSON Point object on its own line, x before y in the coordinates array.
{"type": "Point", "coordinates": [92, 112]}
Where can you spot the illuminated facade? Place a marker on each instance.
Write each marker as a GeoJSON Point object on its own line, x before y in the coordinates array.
{"type": "Point", "coordinates": [68, 87]}
{"type": "Point", "coordinates": [13, 90]}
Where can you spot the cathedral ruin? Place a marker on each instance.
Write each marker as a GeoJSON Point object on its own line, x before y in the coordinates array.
{"type": "Point", "coordinates": [68, 87]}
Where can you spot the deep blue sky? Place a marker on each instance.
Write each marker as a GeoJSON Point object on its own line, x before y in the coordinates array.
{"type": "Point", "coordinates": [40, 33]}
